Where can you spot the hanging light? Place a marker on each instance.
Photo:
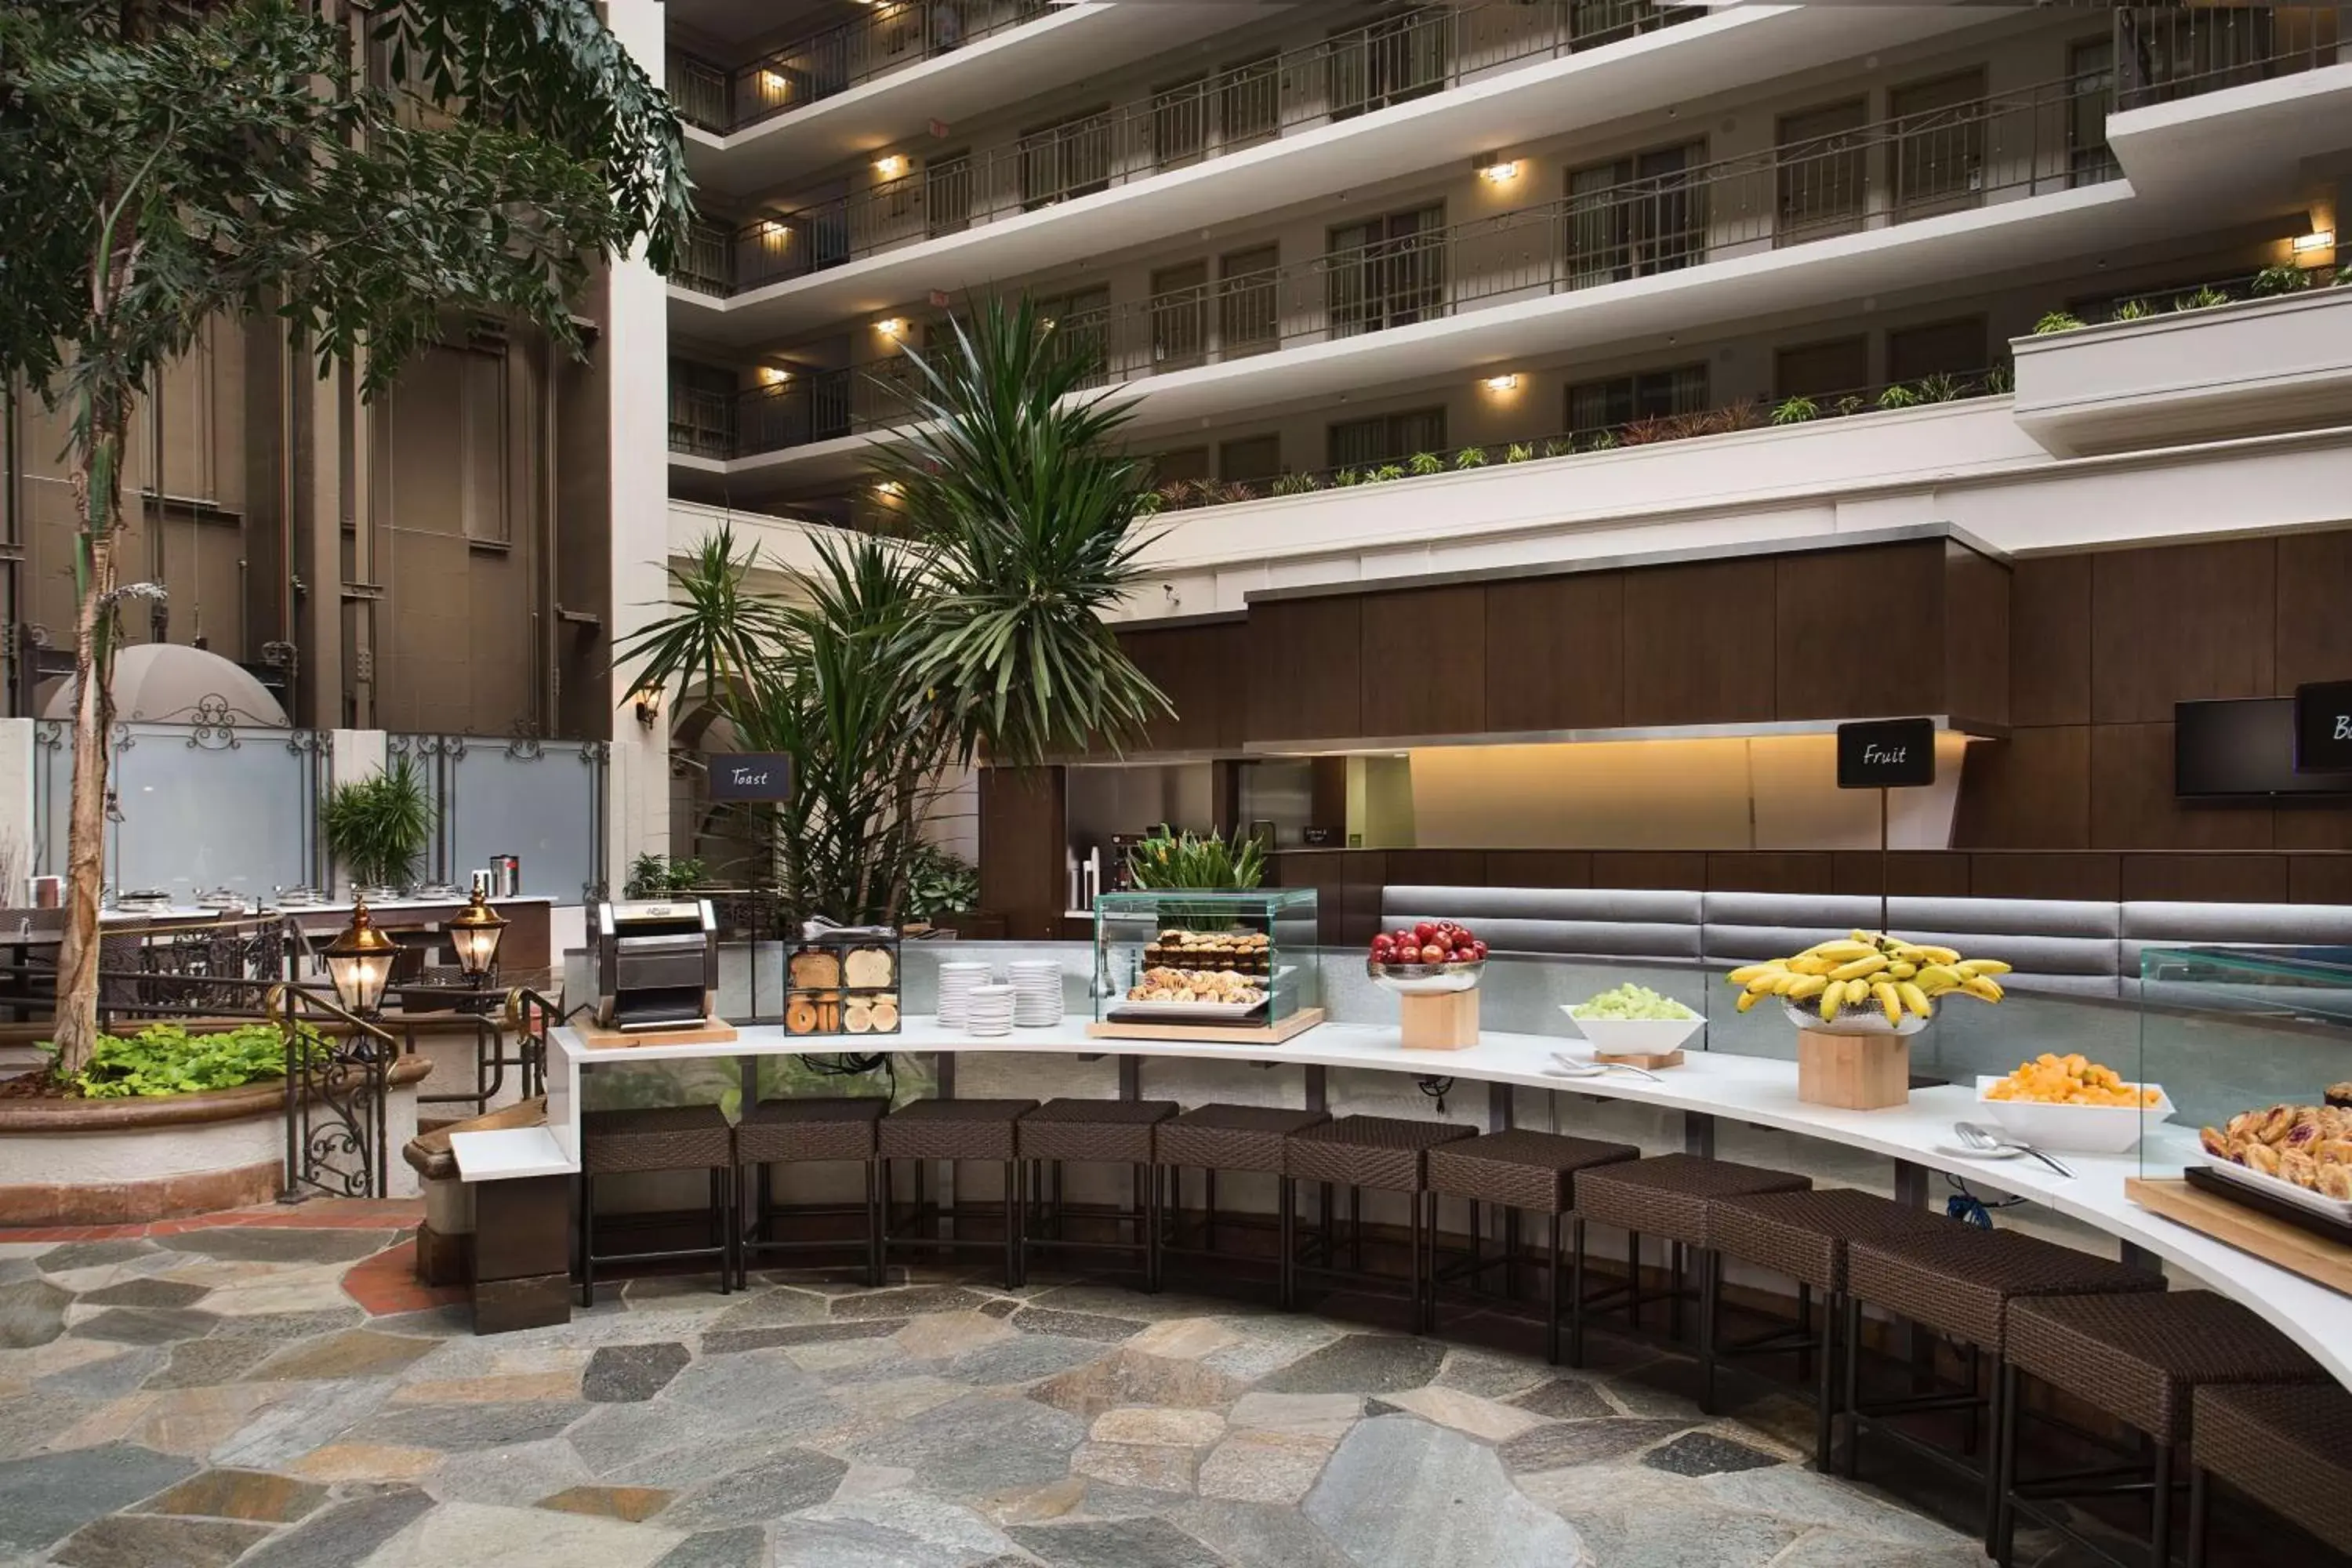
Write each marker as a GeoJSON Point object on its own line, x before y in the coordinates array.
{"type": "Point", "coordinates": [360, 964]}
{"type": "Point", "coordinates": [475, 934]}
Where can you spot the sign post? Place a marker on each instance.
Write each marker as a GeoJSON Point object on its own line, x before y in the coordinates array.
{"type": "Point", "coordinates": [1885, 754]}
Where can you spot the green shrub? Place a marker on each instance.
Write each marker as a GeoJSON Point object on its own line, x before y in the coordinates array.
{"type": "Point", "coordinates": [1942, 387]}
{"type": "Point", "coordinates": [1470, 457]}
{"type": "Point", "coordinates": [1518, 452]}
{"type": "Point", "coordinates": [1559, 446]}
{"type": "Point", "coordinates": [164, 1059]}
{"type": "Point", "coordinates": [1898, 396]}
{"type": "Point", "coordinates": [1795, 411]}
{"type": "Point", "coordinates": [1425, 463]}
{"type": "Point", "coordinates": [1386, 472]}
{"type": "Point", "coordinates": [377, 827]}
{"type": "Point", "coordinates": [2280, 280]}
{"type": "Point", "coordinates": [939, 883]}
{"type": "Point", "coordinates": [2000, 379]}
{"type": "Point", "coordinates": [1604, 441]}
{"type": "Point", "coordinates": [1297, 484]}
{"type": "Point", "coordinates": [1347, 477]}
{"type": "Point", "coordinates": [2132, 310]}
{"type": "Point", "coordinates": [2205, 299]}
{"type": "Point", "coordinates": [1191, 859]}
{"type": "Point", "coordinates": [2057, 322]}
{"type": "Point", "coordinates": [1851, 404]}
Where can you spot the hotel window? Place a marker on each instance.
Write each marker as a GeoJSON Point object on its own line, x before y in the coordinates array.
{"type": "Point", "coordinates": [1385, 438]}
{"type": "Point", "coordinates": [1939, 157]}
{"type": "Point", "coordinates": [1066, 160]}
{"type": "Point", "coordinates": [2091, 84]}
{"type": "Point", "coordinates": [1636, 216]}
{"type": "Point", "coordinates": [1250, 100]}
{"type": "Point", "coordinates": [1594, 407]}
{"type": "Point", "coordinates": [1825, 370]}
{"type": "Point", "coordinates": [1253, 460]}
{"type": "Point", "coordinates": [1386, 271]}
{"type": "Point", "coordinates": [1394, 61]}
{"type": "Point", "coordinates": [1954, 348]}
{"type": "Point", "coordinates": [1819, 173]}
{"type": "Point", "coordinates": [1180, 315]}
{"type": "Point", "coordinates": [1248, 302]}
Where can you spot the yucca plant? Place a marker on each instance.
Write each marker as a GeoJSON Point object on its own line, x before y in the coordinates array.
{"type": "Point", "coordinates": [377, 827]}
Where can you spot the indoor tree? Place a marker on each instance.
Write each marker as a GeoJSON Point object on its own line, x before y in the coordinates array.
{"type": "Point", "coordinates": [977, 631]}
{"type": "Point", "coordinates": [355, 167]}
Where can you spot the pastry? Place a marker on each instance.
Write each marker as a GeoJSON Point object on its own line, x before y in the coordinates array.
{"type": "Point", "coordinates": [885, 1015]}
{"type": "Point", "coordinates": [800, 1016]}
{"type": "Point", "coordinates": [2338, 1094]}
{"type": "Point", "coordinates": [868, 967]}
{"type": "Point", "coordinates": [815, 969]}
{"type": "Point", "coordinates": [857, 1015]}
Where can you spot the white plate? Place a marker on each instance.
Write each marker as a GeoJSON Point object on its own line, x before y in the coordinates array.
{"type": "Point", "coordinates": [1147, 1012]}
{"type": "Point", "coordinates": [1638, 1036]}
{"type": "Point", "coordinates": [2280, 1187]}
{"type": "Point", "coordinates": [2073, 1129]}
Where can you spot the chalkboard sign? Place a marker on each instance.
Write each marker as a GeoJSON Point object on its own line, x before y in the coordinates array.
{"type": "Point", "coordinates": [2323, 727]}
{"type": "Point", "coordinates": [1887, 754]}
{"type": "Point", "coordinates": [751, 775]}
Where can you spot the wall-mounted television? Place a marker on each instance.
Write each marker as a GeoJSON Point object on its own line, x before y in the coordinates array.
{"type": "Point", "coordinates": [2242, 748]}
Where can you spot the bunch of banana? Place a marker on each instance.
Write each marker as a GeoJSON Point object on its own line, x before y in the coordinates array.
{"type": "Point", "coordinates": [1863, 969]}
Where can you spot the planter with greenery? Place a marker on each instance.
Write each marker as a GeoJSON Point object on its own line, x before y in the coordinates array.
{"type": "Point", "coordinates": [1196, 860]}
{"type": "Point", "coordinates": [940, 885]}
{"type": "Point", "coordinates": [377, 827]}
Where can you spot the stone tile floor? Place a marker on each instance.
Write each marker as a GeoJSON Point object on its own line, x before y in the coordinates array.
{"type": "Point", "coordinates": [198, 1396]}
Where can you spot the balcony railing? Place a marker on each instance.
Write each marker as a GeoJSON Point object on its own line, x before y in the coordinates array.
{"type": "Point", "coordinates": [891, 38]}
{"type": "Point", "coordinates": [2001, 148]}
{"type": "Point", "coordinates": [2167, 52]}
{"type": "Point", "coordinates": [1395, 61]}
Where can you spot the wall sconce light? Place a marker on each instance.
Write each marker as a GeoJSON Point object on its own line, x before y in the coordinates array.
{"type": "Point", "coordinates": [890, 166]}
{"type": "Point", "coordinates": [890, 487]}
{"type": "Point", "coordinates": [773, 375]}
{"type": "Point", "coordinates": [776, 82]}
{"type": "Point", "coordinates": [1495, 169]}
{"type": "Point", "coordinates": [1501, 384]}
{"type": "Point", "coordinates": [2317, 239]}
{"type": "Point", "coordinates": [892, 326]}
{"type": "Point", "coordinates": [649, 704]}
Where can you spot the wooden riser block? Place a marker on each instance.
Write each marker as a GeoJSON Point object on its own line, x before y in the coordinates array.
{"type": "Point", "coordinates": [1446, 1022]}
{"type": "Point", "coordinates": [1852, 1072]}
{"type": "Point", "coordinates": [2293, 1248]}
{"type": "Point", "coordinates": [595, 1037]}
{"type": "Point", "coordinates": [1649, 1061]}
{"type": "Point", "coordinates": [1298, 1024]}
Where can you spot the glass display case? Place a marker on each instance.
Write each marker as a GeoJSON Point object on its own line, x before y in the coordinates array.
{"type": "Point", "coordinates": [1242, 962]}
{"type": "Point", "coordinates": [2252, 1048]}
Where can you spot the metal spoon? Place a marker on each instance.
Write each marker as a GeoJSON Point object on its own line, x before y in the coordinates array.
{"type": "Point", "coordinates": [1569, 1067]}
{"type": "Point", "coordinates": [1984, 1137]}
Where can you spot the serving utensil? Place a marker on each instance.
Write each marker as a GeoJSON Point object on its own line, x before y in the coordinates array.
{"type": "Point", "coordinates": [1569, 1067]}
{"type": "Point", "coordinates": [1982, 1139]}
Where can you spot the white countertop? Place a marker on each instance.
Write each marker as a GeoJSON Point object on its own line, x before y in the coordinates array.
{"type": "Point", "coordinates": [1755, 1089]}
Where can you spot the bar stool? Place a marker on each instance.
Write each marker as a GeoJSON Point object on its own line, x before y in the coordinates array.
{"type": "Point", "coordinates": [1962, 1281]}
{"type": "Point", "coordinates": [2140, 1359]}
{"type": "Point", "coordinates": [666, 1137]}
{"type": "Point", "coordinates": [1803, 1235]}
{"type": "Point", "coordinates": [2287, 1446]}
{"type": "Point", "coordinates": [1095, 1132]}
{"type": "Point", "coordinates": [1517, 1169]}
{"type": "Point", "coordinates": [1666, 1195]}
{"type": "Point", "coordinates": [1219, 1137]}
{"type": "Point", "coordinates": [955, 1130]}
{"type": "Point", "coordinates": [807, 1132]}
{"type": "Point", "coordinates": [1386, 1153]}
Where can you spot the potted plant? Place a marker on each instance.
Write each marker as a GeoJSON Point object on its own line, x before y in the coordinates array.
{"type": "Point", "coordinates": [377, 828]}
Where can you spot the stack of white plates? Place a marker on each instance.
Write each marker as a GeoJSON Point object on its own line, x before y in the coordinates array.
{"type": "Point", "coordinates": [989, 1010]}
{"type": "Point", "coordinates": [956, 983]}
{"type": "Point", "coordinates": [1036, 993]}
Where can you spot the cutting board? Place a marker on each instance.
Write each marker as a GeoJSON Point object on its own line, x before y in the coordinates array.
{"type": "Point", "coordinates": [597, 1037]}
{"type": "Point", "coordinates": [2293, 1248]}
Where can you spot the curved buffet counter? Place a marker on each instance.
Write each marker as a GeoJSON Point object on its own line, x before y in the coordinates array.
{"type": "Point", "coordinates": [1758, 1090]}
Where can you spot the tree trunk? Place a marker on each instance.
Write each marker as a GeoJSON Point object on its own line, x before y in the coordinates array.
{"type": "Point", "coordinates": [98, 483]}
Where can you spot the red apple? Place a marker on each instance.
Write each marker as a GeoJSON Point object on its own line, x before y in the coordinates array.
{"type": "Point", "coordinates": [1425, 932]}
{"type": "Point", "coordinates": [1383, 949]}
{"type": "Point", "coordinates": [1432, 953]}
{"type": "Point", "coordinates": [1477, 950]}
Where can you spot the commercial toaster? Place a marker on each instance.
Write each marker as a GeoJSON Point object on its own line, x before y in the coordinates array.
{"type": "Point", "coordinates": [657, 963]}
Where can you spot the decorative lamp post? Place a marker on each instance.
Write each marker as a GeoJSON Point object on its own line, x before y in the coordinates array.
{"type": "Point", "coordinates": [360, 964]}
{"type": "Point", "coordinates": [475, 934]}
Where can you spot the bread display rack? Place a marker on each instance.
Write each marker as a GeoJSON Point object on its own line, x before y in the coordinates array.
{"type": "Point", "coordinates": [842, 980]}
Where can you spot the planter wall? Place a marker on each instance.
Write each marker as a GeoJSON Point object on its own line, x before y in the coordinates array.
{"type": "Point", "coordinates": [117, 1161]}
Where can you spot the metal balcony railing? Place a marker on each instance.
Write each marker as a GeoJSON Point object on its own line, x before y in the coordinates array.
{"type": "Point", "coordinates": [890, 37]}
{"type": "Point", "coordinates": [2001, 148]}
{"type": "Point", "coordinates": [1401, 58]}
{"type": "Point", "coordinates": [2169, 52]}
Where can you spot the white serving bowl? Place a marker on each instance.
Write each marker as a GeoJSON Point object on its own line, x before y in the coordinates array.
{"type": "Point", "coordinates": [2072, 1128]}
{"type": "Point", "coordinates": [1636, 1037]}
{"type": "Point", "coordinates": [1426, 979]}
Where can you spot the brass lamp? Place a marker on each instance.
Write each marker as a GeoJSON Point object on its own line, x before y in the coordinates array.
{"type": "Point", "coordinates": [360, 964]}
{"type": "Point", "coordinates": [475, 934]}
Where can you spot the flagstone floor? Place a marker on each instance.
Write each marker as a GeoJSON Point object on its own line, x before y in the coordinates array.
{"type": "Point", "coordinates": [216, 1393]}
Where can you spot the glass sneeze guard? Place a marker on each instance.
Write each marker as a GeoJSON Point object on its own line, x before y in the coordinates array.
{"type": "Point", "coordinates": [1252, 950]}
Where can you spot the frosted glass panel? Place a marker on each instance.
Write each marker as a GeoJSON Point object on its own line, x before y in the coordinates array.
{"type": "Point", "coordinates": [204, 809]}
{"type": "Point", "coordinates": [52, 790]}
{"type": "Point", "coordinates": [541, 801]}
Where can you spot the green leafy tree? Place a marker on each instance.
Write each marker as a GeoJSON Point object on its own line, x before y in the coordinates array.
{"type": "Point", "coordinates": [354, 167]}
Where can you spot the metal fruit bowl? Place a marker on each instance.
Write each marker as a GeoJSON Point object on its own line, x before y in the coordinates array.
{"type": "Point", "coordinates": [1861, 1018]}
{"type": "Point", "coordinates": [1426, 979]}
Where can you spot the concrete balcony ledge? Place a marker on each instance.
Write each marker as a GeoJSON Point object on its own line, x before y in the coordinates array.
{"type": "Point", "coordinates": [2231, 370]}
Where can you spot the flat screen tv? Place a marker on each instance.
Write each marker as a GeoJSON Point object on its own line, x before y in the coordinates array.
{"type": "Point", "coordinates": [2242, 748]}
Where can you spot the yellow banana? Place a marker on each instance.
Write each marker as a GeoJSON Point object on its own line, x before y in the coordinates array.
{"type": "Point", "coordinates": [1888, 1002]}
{"type": "Point", "coordinates": [1976, 966]}
{"type": "Point", "coordinates": [1937, 978]}
{"type": "Point", "coordinates": [1859, 967]}
{"type": "Point", "coordinates": [1746, 972]}
{"type": "Point", "coordinates": [1749, 999]}
{"type": "Point", "coordinates": [1857, 993]}
{"type": "Point", "coordinates": [1939, 954]}
{"type": "Point", "coordinates": [1901, 969]}
{"type": "Point", "coordinates": [1983, 986]}
{"type": "Point", "coordinates": [1840, 950]}
{"type": "Point", "coordinates": [1832, 999]}
{"type": "Point", "coordinates": [1804, 963]}
{"type": "Point", "coordinates": [1766, 981]}
{"type": "Point", "coordinates": [1807, 985]}
{"type": "Point", "coordinates": [1915, 998]}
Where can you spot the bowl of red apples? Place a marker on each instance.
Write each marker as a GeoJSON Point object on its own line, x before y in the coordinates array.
{"type": "Point", "coordinates": [1427, 959]}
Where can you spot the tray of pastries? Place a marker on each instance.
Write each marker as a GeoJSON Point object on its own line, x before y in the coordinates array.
{"type": "Point", "coordinates": [2302, 1153]}
{"type": "Point", "coordinates": [1242, 952]}
{"type": "Point", "coordinates": [1166, 992]}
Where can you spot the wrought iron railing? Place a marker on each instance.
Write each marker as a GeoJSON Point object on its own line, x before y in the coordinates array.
{"type": "Point", "coordinates": [2169, 52]}
{"type": "Point", "coordinates": [888, 38]}
{"type": "Point", "coordinates": [1999, 148]}
{"type": "Point", "coordinates": [1394, 61]}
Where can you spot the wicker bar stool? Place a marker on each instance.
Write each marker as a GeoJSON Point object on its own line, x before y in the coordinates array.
{"type": "Point", "coordinates": [1959, 1281]}
{"type": "Point", "coordinates": [1218, 1138]}
{"type": "Point", "coordinates": [2140, 1359]}
{"type": "Point", "coordinates": [955, 1130]}
{"type": "Point", "coordinates": [666, 1137]}
{"type": "Point", "coordinates": [807, 1132]}
{"type": "Point", "coordinates": [1666, 1195]}
{"type": "Point", "coordinates": [1803, 1235]}
{"type": "Point", "coordinates": [1518, 1169]}
{"type": "Point", "coordinates": [2287, 1446]}
{"type": "Point", "coordinates": [1097, 1131]}
{"type": "Point", "coordinates": [1386, 1153]}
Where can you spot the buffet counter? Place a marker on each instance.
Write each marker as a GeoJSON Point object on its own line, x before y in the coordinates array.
{"type": "Point", "coordinates": [1753, 1089]}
